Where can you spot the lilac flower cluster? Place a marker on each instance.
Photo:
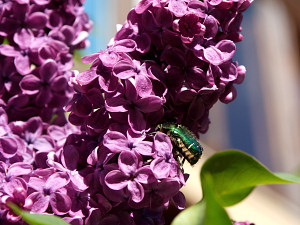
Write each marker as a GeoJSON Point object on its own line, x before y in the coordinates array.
{"type": "Point", "coordinates": [170, 61]}
{"type": "Point", "coordinates": [36, 55]}
{"type": "Point", "coordinates": [27, 177]}
{"type": "Point", "coordinates": [38, 38]}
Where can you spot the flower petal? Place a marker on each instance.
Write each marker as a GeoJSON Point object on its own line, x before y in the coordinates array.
{"type": "Point", "coordinates": [19, 169]}
{"type": "Point", "coordinates": [23, 38]}
{"type": "Point", "coordinates": [37, 20]}
{"type": "Point", "coordinates": [115, 141]}
{"type": "Point", "coordinates": [48, 70]}
{"type": "Point", "coordinates": [124, 70]}
{"type": "Point", "coordinates": [136, 121]}
{"type": "Point", "coordinates": [162, 144]}
{"type": "Point", "coordinates": [22, 64]}
{"type": "Point", "coordinates": [116, 104]}
{"type": "Point", "coordinates": [144, 148]}
{"type": "Point", "coordinates": [136, 190]}
{"type": "Point", "coordinates": [145, 175]}
{"type": "Point", "coordinates": [149, 104]}
{"type": "Point", "coordinates": [8, 147]}
{"type": "Point", "coordinates": [86, 77]}
{"type": "Point", "coordinates": [116, 180]}
{"type": "Point", "coordinates": [60, 203]}
{"type": "Point", "coordinates": [128, 162]}
{"type": "Point", "coordinates": [143, 85]}
{"type": "Point", "coordinates": [57, 181]}
{"type": "Point", "coordinates": [40, 202]}
{"type": "Point", "coordinates": [161, 169]}
{"type": "Point", "coordinates": [30, 84]}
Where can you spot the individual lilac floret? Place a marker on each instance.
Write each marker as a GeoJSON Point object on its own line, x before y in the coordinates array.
{"type": "Point", "coordinates": [13, 188]}
{"type": "Point", "coordinates": [189, 26]}
{"type": "Point", "coordinates": [50, 190]}
{"type": "Point", "coordinates": [131, 175]}
{"type": "Point", "coordinates": [17, 196]}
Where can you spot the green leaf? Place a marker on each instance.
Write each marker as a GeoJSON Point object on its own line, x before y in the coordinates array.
{"type": "Point", "coordinates": [193, 215]}
{"type": "Point", "coordinates": [207, 212]}
{"type": "Point", "coordinates": [235, 174]}
{"type": "Point", "coordinates": [227, 178]}
{"type": "Point", "coordinates": [5, 41]}
{"type": "Point", "coordinates": [37, 219]}
{"type": "Point", "coordinates": [214, 213]}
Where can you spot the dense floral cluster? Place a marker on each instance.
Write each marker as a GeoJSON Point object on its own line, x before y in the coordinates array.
{"type": "Point", "coordinates": [37, 39]}
{"type": "Point", "coordinates": [36, 56]}
{"type": "Point", "coordinates": [170, 62]}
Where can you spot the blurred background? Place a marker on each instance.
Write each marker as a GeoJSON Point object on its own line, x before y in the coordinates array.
{"type": "Point", "coordinates": [264, 120]}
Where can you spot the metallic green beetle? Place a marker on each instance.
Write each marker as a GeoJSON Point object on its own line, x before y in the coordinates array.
{"type": "Point", "coordinates": [184, 142]}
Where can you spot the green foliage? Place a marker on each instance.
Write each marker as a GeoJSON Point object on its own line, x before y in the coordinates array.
{"type": "Point", "coordinates": [227, 178]}
{"type": "Point", "coordinates": [5, 42]}
{"type": "Point", "coordinates": [37, 219]}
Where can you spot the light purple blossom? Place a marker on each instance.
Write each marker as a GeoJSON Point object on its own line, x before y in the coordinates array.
{"type": "Point", "coordinates": [50, 191]}
{"type": "Point", "coordinates": [164, 165]}
{"type": "Point", "coordinates": [118, 142]}
{"type": "Point", "coordinates": [18, 196]}
{"type": "Point", "coordinates": [131, 176]}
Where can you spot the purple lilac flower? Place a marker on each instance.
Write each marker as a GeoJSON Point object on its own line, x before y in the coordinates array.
{"type": "Point", "coordinates": [170, 61]}
{"type": "Point", "coordinates": [36, 56]}
{"type": "Point", "coordinates": [50, 191]}
{"type": "Point", "coordinates": [38, 32]}
{"type": "Point", "coordinates": [13, 188]}
{"type": "Point", "coordinates": [131, 175]}
{"type": "Point", "coordinates": [18, 196]}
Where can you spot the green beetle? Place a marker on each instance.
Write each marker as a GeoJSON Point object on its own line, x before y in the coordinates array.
{"type": "Point", "coordinates": [185, 144]}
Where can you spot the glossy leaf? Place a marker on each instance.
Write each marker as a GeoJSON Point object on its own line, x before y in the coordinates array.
{"type": "Point", "coordinates": [37, 219]}
{"type": "Point", "coordinates": [207, 212]}
{"type": "Point", "coordinates": [227, 178]}
{"type": "Point", "coordinates": [235, 174]}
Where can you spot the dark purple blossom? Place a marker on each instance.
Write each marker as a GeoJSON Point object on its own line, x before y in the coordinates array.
{"type": "Point", "coordinates": [24, 39]}
{"type": "Point", "coordinates": [46, 85]}
{"type": "Point", "coordinates": [134, 105]}
{"type": "Point", "coordinates": [13, 174]}
{"type": "Point", "coordinates": [9, 78]}
{"type": "Point", "coordinates": [189, 26]}
{"type": "Point", "coordinates": [172, 60]}
{"type": "Point", "coordinates": [32, 133]}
